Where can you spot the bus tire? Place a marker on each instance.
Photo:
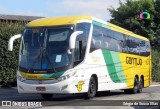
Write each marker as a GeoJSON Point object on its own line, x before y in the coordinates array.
{"type": "Point", "coordinates": [47, 96]}
{"type": "Point", "coordinates": [135, 88]}
{"type": "Point", "coordinates": [140, 86]}
{"type": "Point", "coordinates": [92, 89]}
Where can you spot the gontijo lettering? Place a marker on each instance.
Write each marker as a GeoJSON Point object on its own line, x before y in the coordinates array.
{"type": "Point", "coordinates": [134, 61]}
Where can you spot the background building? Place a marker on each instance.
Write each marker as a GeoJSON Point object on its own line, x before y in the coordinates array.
{"type": "Point", "coordinates": [17, 18]}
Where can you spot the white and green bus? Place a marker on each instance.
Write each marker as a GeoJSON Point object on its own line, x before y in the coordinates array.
{"type": "Point", "coordinates": [80, 54]}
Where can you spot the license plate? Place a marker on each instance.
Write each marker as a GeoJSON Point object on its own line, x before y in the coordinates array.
{"type": "Point", "coordinates": [40, 88]}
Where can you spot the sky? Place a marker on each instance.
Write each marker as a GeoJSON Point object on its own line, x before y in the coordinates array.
{"type": "Point", "coordinates": [47, 8]}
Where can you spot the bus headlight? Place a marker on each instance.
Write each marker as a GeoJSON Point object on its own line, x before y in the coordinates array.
{"type": "Point", "coordinates": [63, 78]}
{"type": "Point", "coordinates": [20, 78]}
{"type": "Point", "coordinates": [69, 74]}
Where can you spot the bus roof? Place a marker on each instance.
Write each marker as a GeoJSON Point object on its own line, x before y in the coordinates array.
{"type": "Point", "coordinates": [56, 21]}
{"type": "Point", "coordinates": [66, 20]}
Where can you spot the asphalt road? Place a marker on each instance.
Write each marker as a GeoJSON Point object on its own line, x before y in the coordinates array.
{"type": "Point", "coordinates": [114, 99]}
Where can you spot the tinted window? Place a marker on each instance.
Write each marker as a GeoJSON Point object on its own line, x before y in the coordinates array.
{"type": "Point", "coordinates": [106, 44]}
{"type": "Point", "coordinates": [133, 45]}
{"type": "Point", "coordinates": [97, 37]}
{"type": "Point", "coordinates": [81, 42]}
{"type": "Point", "coordinates": [85, 27]}
{"type": "Point", "coordinates": [118, 41]}
{"type": "Point", "coordinates": [148, 48]}
{"type": "Point", "coordinates": [104, 38]}
{"type": "Point", "coordinates": [142, 47]}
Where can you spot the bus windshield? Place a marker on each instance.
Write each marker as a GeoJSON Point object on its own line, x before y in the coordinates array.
{"type": "Point", "coordinates": [45, 48]}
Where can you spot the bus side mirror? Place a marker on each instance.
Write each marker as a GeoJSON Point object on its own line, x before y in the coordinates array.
{"type": "Point", "coordinates": [73, 39]}
{"type": "Point", "coordinates": [11, 40]}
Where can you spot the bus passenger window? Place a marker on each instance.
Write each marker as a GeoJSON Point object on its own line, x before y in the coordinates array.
{"type": "Point", "coordinates": [96, 42]}
{"type": "Point", "coordinates": [125, 42]}
{"type": "Point", "coordinates": [147, 46]}
{"type": "Point", "coordinates": [105, 41]}
{"type": "Point", "coordinates": [142, 48]}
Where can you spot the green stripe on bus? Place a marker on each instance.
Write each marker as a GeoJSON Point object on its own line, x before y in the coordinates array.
{"type": "Point", "coordinates": [110, 66]}
{"type": "Point", "coordinates": [118, 66]}
{"type": "Point", "coordinates": [53, 75]}
{"type": "Point", "coordinates": [100, 24]}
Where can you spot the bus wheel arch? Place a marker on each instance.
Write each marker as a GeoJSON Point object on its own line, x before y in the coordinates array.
{"type": "Point", "coordinates": [92, 87]}
{"type": "Point", "coordinates": [96, 78]}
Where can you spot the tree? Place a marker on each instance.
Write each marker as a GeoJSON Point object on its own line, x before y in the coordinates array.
{"type": "Point", "coordinates": [9, 60]}
{"type": "Point", "coordinates": [127, 16]}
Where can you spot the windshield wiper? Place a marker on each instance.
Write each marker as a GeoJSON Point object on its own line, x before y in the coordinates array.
{"type": "Point", "coordinates": [44, 50]}
{"type": "Point", "coordinates": [40, 54]}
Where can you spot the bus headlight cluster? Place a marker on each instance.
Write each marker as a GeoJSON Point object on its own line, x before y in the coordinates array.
{"type": "Point", "coordinates": [62, 78]}
{"type": "Point", "coordinates": [20, 78]}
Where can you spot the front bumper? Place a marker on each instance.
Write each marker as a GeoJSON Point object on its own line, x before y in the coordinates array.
{"type": "Point", "coordinates": [62, 87]}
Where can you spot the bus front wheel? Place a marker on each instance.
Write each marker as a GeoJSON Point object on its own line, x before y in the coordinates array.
{"type": "Point", "coordinates": [92, 89]}
{"type": "Point", "coordinates": [47, 96]}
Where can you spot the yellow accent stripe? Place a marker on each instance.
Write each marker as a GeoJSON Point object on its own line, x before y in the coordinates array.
{"type": "Point", "coordinates": [56, 21]}
{"type": "Point", "coordinates": [34, 76]}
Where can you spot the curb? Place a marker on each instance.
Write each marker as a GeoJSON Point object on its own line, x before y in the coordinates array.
{"type": "Point", "coordinates": [154, 85]}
